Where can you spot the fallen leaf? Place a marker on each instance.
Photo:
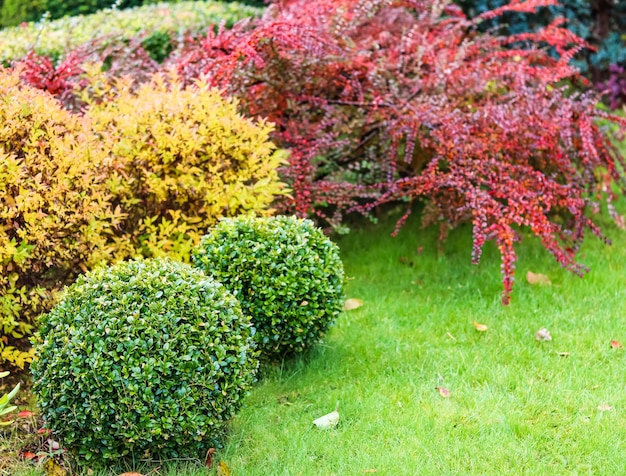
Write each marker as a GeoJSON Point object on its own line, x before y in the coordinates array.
{"type": "Point", "coordinates": [616, 344]}
{"type": "Point", "coordinates": [327, 421]}
{"type": "Point", "coordinates": [443, 391]}
{"type": "Point", "coordinates": [28, 455]}
{"type": "Point", "coordinates": [480, 327]}
{"type": "Point", "coordinates": [223, 469]}
{"type": "Point", "coordinates": [130, 474]}
{"type": "Point", "coordinates": [352, 303]}
{"type": "Point", "coordinates": [604, 407]}
{"type": "Point", "coordinates": [419, 250]}
{"type": "Point", "coordinates": [373, 470]}
{"type": "Point", "coordinates": [25, 414]}
{"type": "Point", "coordinates": [536, 278]}
{"type": "Point", "coordinates": [543, 334]}
{"type": "Point", "coordinates": [208, 462]}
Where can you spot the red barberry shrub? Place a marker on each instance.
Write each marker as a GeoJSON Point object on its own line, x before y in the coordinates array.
{"type": "Point", "coordinates": [388, 100]}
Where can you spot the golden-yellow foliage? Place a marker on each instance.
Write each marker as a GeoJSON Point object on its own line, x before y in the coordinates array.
{"type": "Point", "coordinates": [55, 215]}
{"type": "Point", "coordinates": [183, 158]}
{"type": "Point", "coordinates": [142, 172]}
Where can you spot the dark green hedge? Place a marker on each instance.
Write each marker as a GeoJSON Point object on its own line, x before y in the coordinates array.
{"type": "Point", "coordinates": [14, 12]}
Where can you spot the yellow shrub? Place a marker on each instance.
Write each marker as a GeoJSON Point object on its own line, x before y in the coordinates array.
{"type": "Point", "coordinates": [55, 215]}
{"type": "Point", "coordinates": [142, 172]}
{"type": "Point", "coordinates": [182, 158]}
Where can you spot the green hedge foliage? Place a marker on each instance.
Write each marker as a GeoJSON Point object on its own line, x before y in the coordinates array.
{"type": "Point", "coordinates": [55, 37]}
{"type": "Point", "coordinates": [14, 12]}
{"type": "Point", "coordinates": [285, 272]}
{"type": "Point", "coordinates": [143, 359]}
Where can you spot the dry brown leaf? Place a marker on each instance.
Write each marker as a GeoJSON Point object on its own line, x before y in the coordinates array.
{"type": "Point", "coordinates": [604, 407]}
{"type": "Point", "coordinates": [543, 334]}
{"type": "Point", "coordinates": [208, 462]}
{"type": "Point", "coordinates": [536, 278]}
{"type": "Point", "coordinates": [443, 391]}
{"type": "Point", "coordinates": [352, 303]}
{"type": "Point", "coordinates": [616, 344]}
{"type": "Point", "coordinates": [480, 327]}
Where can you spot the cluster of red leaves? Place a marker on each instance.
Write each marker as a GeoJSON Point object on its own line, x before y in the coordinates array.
{"type": "Point", "coordinates": [403, 100]}
{"type": "Point", "coordinates": [388, 100]}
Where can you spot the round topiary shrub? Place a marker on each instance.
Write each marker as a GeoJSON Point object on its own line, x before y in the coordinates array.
{"type": "Point", "coordinates": [286, 274]}
{"type": "Point", "coordinates": [143, 359]}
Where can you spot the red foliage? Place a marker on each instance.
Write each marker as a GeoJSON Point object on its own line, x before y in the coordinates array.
{"type": "Point", "coordinates": [390, 100]}
{"type": "Point", "coordinates": [65, 80]}
{"type": "Point", "coordinates": [403, 100]}
{"type": "Point", "coordinates": [59, 80]}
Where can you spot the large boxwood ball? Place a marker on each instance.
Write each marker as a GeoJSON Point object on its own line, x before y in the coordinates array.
{"type": "Point", "coordinates": [145, 359]}
{"type": "Point", "coordinates": [286, 274]}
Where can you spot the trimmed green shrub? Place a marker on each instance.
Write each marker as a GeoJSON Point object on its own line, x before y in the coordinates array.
{"type": "Point", "coordinates": [285, 272]}
{"type": "Point", "coordinates": [55, 38]}
{"type": "Point", "coordinates": [14, 12]}
{"type": "Point", "coordinates": [146, 358]}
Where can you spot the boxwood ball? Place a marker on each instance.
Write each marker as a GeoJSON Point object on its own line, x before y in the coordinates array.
{"type": "Point", "coordinates": [286, 274]}
{"type": "Point", "coordinates": [143, 359]}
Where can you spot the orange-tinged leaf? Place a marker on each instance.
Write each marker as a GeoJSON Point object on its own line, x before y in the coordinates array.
{"type": "Point", "coordinates": [130, 474]}
{"type": "Point", "coordinates": [480, 327]}
{"type": "Point", "coordinates": [616, 344]}
{"type": "Point", "coordinates": [443, 391]}
{"type": "Point", "coordinates": [208, 462]}
{"type": "Point", "coordinates": [352, 303]}
{"type": "Point", "coordinates": [536, 278]}
{"type": "Point", "coordinates": [28, 455]}
{"type": "Point", "coordinates": [25, 414]}
{"type": "Point", "coordinates": [223, 469]}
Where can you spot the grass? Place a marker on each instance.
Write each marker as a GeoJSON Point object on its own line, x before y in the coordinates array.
{"type": "Point", "coordinates": [517, 406]}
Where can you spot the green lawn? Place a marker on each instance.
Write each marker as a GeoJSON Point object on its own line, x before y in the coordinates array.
{"type": "Point", "coordinates": [517, 406]}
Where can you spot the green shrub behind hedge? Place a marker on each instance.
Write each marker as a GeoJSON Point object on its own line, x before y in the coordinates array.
{"type": "Point", "coordinates": [56, 37]}
{"type": "Point", "coordinates": [287, 275]}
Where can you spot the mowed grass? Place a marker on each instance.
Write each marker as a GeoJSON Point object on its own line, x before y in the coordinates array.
{"type": "Point", "coordinates": [517, 406]}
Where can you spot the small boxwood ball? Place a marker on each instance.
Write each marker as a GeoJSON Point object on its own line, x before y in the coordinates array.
{"type": "Point", "coordinates": [286, 274]}
{"type": "Point", "coordinates": [143, 359]}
